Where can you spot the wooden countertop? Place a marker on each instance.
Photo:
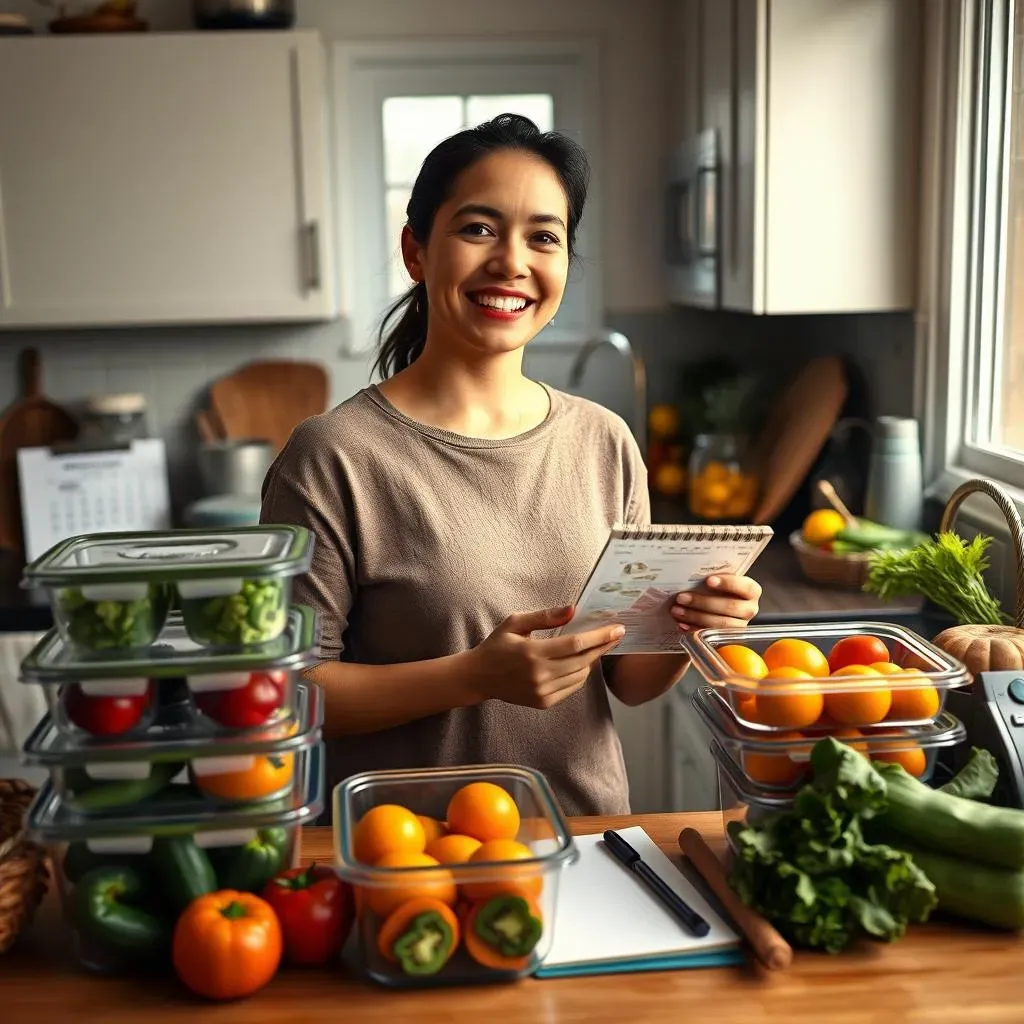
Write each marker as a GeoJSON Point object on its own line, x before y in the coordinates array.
{"type": "Point", "coordinates": [939, 973]}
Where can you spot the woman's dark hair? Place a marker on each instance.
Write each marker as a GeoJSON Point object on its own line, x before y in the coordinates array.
{"type": "Point", "coordinates": [401, 345]}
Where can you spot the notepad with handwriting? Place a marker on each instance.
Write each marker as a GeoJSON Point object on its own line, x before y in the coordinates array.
{"type": "Point", "coordinates": [607, 921]}
{"type": "Point", "coordinates": [641, 569]}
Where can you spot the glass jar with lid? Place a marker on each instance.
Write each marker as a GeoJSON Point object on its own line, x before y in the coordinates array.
{"type": "Point", "coordinates": [722, 484]}
{"type": "Point", "coordinates": [114, 419]}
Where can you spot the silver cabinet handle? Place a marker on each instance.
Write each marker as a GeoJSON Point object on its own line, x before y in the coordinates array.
{"type": "Point", "coordinates": [311, 251]}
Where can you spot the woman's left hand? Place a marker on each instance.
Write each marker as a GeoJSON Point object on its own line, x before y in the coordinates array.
{"type": "Point", "coordinates": [724, 602]}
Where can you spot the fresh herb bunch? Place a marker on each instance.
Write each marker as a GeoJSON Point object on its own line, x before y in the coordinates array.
{"type": "Point", "coordinates": [947, 570]}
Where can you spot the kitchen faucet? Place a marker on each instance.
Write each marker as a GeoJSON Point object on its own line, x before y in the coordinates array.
{"type": "Point", "coordinates": [621, 345]}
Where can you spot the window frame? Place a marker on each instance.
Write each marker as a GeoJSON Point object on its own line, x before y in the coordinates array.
{"type": "Point", "coordinates": [962, 260]}
{"type": "Point", "coordinates": [365, 73]}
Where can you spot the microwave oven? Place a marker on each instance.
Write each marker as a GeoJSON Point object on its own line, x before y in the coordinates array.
{"type": "Point", "coordinates": [692, 236]}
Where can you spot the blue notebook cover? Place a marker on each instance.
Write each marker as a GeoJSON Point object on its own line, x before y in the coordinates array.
{"type": "Point", "coordinates": [717, 958]}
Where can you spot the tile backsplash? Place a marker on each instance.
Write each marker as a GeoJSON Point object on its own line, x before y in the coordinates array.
{"type": "Point", "coordinates": [174, 367]}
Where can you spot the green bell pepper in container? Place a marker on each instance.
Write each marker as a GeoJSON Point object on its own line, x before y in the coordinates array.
{"type": "Point", "coordinates": [248, 868]}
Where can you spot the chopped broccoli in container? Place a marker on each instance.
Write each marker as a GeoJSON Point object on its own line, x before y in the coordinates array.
{"type": "Point", "coordinates": [255, 615]}
{"type": "Point", "coordinates": [106, 625]}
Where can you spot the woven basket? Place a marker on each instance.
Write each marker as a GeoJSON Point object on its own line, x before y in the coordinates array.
{"type": "Point", "coordinates": [846, 572]}
{"type": "Point", "coordinates": [23, 873]}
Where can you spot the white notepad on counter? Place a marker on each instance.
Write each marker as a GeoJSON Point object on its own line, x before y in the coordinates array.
{"type": "Point", "coordinates": [607, 921]}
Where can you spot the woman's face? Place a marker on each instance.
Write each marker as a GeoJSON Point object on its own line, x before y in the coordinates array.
{"type": "Point", "coordinates": [496, 263]}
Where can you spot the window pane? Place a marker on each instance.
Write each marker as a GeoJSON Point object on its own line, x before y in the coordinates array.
{"type": "Point", "coordinates": [413, 125]}
{"type": "Point", "coordinates": [1008, 428]}
{"type": "Point", "coordinates": [398, 280]}
{"type": "Point", "coordinates": [538, 107]}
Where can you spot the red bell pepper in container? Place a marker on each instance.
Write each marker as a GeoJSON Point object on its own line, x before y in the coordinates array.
{"type": "Point", "coordinates": [316, 910]}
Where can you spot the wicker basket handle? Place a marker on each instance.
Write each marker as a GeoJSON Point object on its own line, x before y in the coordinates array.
{"type": "Point", "coordinates": [1009, 510]}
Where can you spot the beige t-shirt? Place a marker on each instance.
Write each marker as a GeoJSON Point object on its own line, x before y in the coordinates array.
{"type": "Point", "coordinates": [426, 540]}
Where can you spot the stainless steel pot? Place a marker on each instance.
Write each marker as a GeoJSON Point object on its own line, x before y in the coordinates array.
{"type": "Point", "coordinates": [234, 466]}
{"type": "Point", "coordinates": [233, 14]}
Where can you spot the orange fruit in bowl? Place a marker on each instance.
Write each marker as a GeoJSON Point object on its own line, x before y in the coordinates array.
{"type": "Point", "coordinates": [903, 752]}
{"type": "Point", "coordinates": [386, 829]}
{"type": "Point", "coordinates": [885, 668]}
{"type": "Point", "coordinates": [484, 811]}
{"type": "Point", "coordinates": [743, 661]}
{"type": "Point", "coordinates": [856, 649]}
{"type": "Point", "coordinates": [385, 897]}
{"type": "Point", "coordinates": [792, 704]}
{"type": "Point", "coordinates": [865, 705]}
{"type": "Point", "coordinates": [505, 879]}
{"type": "Point", "coordinates": [768, 769]}
{"type": "Point", "coordinates": [916, 704]}
{"type": "Point", "coordinates": [432, 828]}
{"type": "Point", "coordinates": [790, 652]}
{"type": "Point", "coordinates": [453, 848]}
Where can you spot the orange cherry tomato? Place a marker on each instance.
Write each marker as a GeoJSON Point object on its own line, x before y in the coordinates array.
{"type": "Point", "coordinates": [793, 704]}
{"type": "Point", "coordinates": [743, 661]}
{"type": "Point", "coordinates": [484, 811]}
{"type": "Point", "coordinates": [432, 828]}
{"type": "Point", "coordinates": [505, 879]}
{"type": "Point", "coordinates": [452, 848]}
{"type": "Point", "coordinates": [859, 649]}
{"type": "Point", "coordinates": [866, 706]}
{"type": "Point", "coordinates": [227, 944]}
{"type": "Point", "coordinates": [790, 652]}
{"type": "Point", "coordinates": [387, 828]}
{"type": "Point", "coordinates": [383, 898]}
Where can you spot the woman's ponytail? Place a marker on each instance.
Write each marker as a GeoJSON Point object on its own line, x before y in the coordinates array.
{"type": "Point", "coordinates": [401, 345]}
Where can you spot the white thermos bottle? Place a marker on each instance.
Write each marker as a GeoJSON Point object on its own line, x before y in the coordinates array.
{"type": "Point", "coordinates": [895, 490]}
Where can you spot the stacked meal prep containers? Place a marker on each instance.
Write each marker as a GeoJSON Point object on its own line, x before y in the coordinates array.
{"type": "Point", "coordinates": [183, 750]}
{"type": "Point", "coordinates": [761, 767]}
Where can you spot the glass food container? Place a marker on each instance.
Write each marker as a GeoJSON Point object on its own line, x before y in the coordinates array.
{"type": "Point", "coordinates": [780, 762]}
{"type": "Point", "coordinates": [160, 857]}
{"type": "Point", "coordinates": [181, 770]}
{"type": "Point", "coordinates": [722, 484]}
{"type": "Point", "coordinates": [114, 590]}
{"type": "Point", "coordinates": [176, 687]}
{"type": "Point", "coordinates": [912, 691]}
{"type": "Point", "coordinates": [491, 920]}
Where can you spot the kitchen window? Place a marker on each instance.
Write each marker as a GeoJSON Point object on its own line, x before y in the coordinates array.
{"type": "Point", "coordinates": [972, 251]}
{"type": "Point", "coordinates": [394, 102]}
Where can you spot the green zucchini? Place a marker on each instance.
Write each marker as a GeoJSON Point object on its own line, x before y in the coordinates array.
{"type": "Point", "coordinates": [106, 911]}
{"type": "Point", "coordinates": [91, 795]}
{"type": "Point", "coordinates": [945, 823]}
{"type": "Point", "coordinates": [183, 869]}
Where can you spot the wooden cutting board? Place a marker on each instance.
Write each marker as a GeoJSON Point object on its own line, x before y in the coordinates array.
{"type": "Point", "coordinates": [795, 432]}
{"type": "Point", "coordinates": [267, 400]}
{"type": "Point", "coordinates": [33, 421]}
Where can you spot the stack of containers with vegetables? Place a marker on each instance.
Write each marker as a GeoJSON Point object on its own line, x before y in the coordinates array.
{"type": "Point", "coordinates": [773, 691]}
{"type": "Point", "coordinates": [183, 750]}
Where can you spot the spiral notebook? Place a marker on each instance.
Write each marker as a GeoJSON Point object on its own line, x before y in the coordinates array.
{"type": "Point", "coordinates": [642, 568]}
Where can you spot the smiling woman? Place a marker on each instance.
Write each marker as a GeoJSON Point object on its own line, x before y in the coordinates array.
{"type": "Point", "coordinates": [459, 505]}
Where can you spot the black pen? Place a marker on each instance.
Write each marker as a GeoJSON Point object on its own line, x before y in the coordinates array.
{"type": "Point", "coordinates": [629, 858]}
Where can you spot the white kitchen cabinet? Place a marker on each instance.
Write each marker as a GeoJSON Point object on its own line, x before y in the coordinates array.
{"type": "Point", "coordinates": [164, 178]}
{"type": "Point", "coordinates": [814, 104]}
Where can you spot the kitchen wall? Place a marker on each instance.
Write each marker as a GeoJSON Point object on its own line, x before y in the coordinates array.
{"type": "Point", "coordinates": [173, 367]}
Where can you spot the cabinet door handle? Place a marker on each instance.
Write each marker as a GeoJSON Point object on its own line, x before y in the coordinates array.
{"type": "Point", "coordinates": [311, 252]}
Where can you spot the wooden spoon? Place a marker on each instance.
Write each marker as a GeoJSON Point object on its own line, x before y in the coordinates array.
{"type": "Point", "coordinates": [830, 495]}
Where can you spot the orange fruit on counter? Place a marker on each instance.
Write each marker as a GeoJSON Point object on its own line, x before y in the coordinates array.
{"type": "Point", "coordinates": [484, 811]}
{"type": "Point", "coordinates": [789, 652]}
{"type": "Point", "coordinates": [795, 704]}
{"type": "Point", "coordinates": [453, 848]}
{"type": "Point", "coordinates": [769, 769]}
{"type": "Point", "coordinates": [432, 828]}
{"type": "Point", "coordinates": [743, 661]}
{"type": "Point", "coordinates": [526, 882]}
{"type": "Point", "coordinates": [821, 526]}
{"type": "Point", "coordinates": [387, 829]}
{"type": "Point", "coordinates": [858, 649]}
{"type": "Point", "coordinates": [383, 898]}
{"type": "Point", "coordinates": [866, 706]}
{"type": "Point", "coordinates": [917, 704]}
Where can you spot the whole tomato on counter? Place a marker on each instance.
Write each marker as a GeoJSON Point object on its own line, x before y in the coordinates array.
{"type": "Point", "coordinates": [246, 706]}
{"type": "Point", "coordinates": [316, 910]}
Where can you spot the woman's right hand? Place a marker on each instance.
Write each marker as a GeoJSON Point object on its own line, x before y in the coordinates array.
{"type": "Point", "coordinates": [512, 666]}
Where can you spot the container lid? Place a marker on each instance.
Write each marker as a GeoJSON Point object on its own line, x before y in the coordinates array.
{"type": "Point", "coordinates": [176, 655]}
{"type": "Point", "coordinates": [183, 738]}
{"type": "Point", "coordinates": [906, 649]}
{"type": "Point", "coordinates": [173, 555]}
{"type": "Point", "coordinates": [50, 820]}
{"type": "Point", "coordinates": [554, 846]}
{"type": "Point", "coordinates": [945, 731]}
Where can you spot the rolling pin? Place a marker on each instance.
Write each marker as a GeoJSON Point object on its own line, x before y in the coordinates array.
{"type": "Point", "coordinates": [771, 948]}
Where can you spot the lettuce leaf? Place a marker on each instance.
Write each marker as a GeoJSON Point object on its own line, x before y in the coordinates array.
{"type": "Point", "coordinates": [811, 871]}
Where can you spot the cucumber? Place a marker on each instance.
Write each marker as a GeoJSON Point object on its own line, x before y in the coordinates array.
{"type": "Point", "coordinates": [93, 796]}
{"type": "Point", "coordinates": [183, 869]}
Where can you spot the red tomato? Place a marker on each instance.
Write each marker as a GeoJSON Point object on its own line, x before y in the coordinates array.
{"type": "Point", "coordinates": [245, 706]}
{"type": "Point", "coordinates": [105, 716]}
{"type": "Point", "coordinates": [316, 910]}
{"type": "Point", "coordinates": [859, 649]}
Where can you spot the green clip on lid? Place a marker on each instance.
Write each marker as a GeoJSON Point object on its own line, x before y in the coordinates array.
{"type": "Point", "coordinates": [251, 552]}
{"type": "Point", "coordinates": [52, 661]}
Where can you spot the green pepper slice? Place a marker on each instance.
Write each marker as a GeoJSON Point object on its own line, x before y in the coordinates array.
{"type": "Point", "coordinates": [426, 945]}
{"type": "Point", "coordinates": [508, 924]}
